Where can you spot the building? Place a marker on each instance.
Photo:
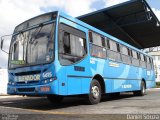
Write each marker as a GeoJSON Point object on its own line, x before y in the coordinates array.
{"type": "Point", "coordinates": [3, 81]}
{"type": "Point", "coordinates": [155, 53]}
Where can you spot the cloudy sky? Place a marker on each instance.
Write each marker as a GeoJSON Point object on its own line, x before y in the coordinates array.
{"type": "Point", "coordinates": [13, 12]}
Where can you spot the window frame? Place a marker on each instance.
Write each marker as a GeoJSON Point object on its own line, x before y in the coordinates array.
{"type": "Point", "coordinates": [74, 31]}
{"type": "Point", "coordinates": [126, 55]}
{"type": "Point", "coordinates": [111, 45]}
{"type": "Point", "coordinates": [90, 34]}
{"type": "Point", "coordinates": [117, 51]}
{"type": "Point", "coordinates": [103, 42]}
{"type": "Point", "coordinates": [128, 50]}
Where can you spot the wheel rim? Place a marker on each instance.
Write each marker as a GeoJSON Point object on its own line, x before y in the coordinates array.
{"type": "Point", "coordinates": [95, 92]}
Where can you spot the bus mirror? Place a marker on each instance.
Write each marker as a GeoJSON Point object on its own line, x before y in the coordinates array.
{"type": "Point", "coordinates": [1, 43]}
{"type": "Point", "coordinates": [5, 41]}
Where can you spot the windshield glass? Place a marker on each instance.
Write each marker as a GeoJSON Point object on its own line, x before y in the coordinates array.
{"type": "Point", "coordinates": [32, 47]}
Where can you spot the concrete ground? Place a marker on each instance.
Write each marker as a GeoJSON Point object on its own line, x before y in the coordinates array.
{"type": "Point", "coordinates": [123, 107]}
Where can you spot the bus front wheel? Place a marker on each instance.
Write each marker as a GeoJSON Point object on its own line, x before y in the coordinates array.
{"type": "Point", "coordinates": [142, 91]}
{"type": "Point", "coordinates": [55, 99]}
{"type": "Point", "coordinates": [94, 96]}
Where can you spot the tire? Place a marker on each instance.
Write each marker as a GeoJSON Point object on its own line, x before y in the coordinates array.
{"type": "Point", "coordinates": [55, 99]}
{"type": "Point", "coordinates": [142, 91]}
{"type": "Point", "coordinates": [94, 96]}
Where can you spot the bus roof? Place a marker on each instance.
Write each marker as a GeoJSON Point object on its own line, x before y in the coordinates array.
{"type": "Point", "coordinates": [133, 22]}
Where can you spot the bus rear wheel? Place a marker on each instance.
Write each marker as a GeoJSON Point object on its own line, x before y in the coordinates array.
{"type": "Point", "coordinates": [94, 96]}
{"type": "Point", "coordinates": [142, 91]}
{"type": "Point", "coordinates": [55, 99]}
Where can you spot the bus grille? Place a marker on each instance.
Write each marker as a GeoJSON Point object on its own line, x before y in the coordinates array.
{"type": "Point", "coordinates": [26, 89]}
{"type": "Point", "coordinates": [28, 82]}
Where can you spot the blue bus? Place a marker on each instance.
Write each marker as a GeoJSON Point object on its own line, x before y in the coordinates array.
{"type": "Point", "coordinates": [57, 55]}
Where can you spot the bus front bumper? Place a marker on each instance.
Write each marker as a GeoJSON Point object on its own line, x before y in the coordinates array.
{"type": "Point", "coordinates": [45, 89]}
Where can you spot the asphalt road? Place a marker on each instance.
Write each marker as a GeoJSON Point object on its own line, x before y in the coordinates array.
{"type": "Point", "coordinates": [126, 106]}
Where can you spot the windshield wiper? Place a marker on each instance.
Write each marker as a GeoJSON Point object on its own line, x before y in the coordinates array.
{"type": "Point", "coordinates": [36, 32]}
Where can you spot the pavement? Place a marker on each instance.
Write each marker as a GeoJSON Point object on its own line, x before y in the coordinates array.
{"type": "Point", "coordinates": [123, 107]}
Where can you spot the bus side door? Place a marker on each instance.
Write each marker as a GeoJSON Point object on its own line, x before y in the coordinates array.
{"type": "Point", "coordinates": [73, 54]}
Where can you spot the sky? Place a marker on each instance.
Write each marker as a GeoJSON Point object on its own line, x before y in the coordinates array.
{"type": "Point", "coordinates": [14, 12]}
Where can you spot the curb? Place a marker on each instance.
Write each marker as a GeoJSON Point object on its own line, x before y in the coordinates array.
{"type": "Point", "coordinates": [9, 96]}
{"type": "Point", "coordinates": [4, 95]}
{"type": "Point", "coordinates": [155, 88]}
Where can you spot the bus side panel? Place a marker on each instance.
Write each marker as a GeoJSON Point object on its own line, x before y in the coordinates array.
{"type": "Point", "coordinates": [118, 73]}
{"type": "Point", "coordinates": [62, 84]}
{"type": "Point", "coordinates": [99, 66]}
{"type": "Point", "coordinates": [74, 86]}
{"type": "Point", "coordinates": [119, 85]}
{"type": "Point", "coordinates": [86, 85]}
{"type": "Point", "coordinates": [150, 84]}
{"type": "Point", "coordinates": [78, 82]}
{"type": "Point", "coordinates": [108, 86]}
{"type": "Point", "coordinates": [135, 78]}
{"type": "Point", "coordinates": [78, 75]}
{"type": "Point", "coordinates": [150, 81]}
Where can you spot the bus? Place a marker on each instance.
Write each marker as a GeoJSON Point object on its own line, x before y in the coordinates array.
{"type": "Point", "coordinates": [56, 55]}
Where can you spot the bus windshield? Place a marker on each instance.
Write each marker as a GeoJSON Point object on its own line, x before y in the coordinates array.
{"type": "Point", "coordinates": [32, 47]}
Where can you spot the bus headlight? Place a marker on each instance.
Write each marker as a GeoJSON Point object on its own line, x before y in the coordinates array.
{"type": "Point", "coordinates": [51, 80]}
{"type": "Point", "coordinates": [48, 80]}
{"type": "Point", "coordinates": [11, 83]}
{"type": "Point", "coordinates": [45, 81]}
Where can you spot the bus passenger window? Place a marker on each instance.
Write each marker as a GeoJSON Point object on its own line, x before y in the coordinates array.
{"type": "Point", "coordinates": [150, 60]}
{"type": "Point", "coordinates": [125, 54]}
{"type": "Point", "coordinates": [129, 53]}
{"type": "Point", "coordinates": [135, 59]}
{"type": "Point", "coordinates": [98, 44]}
{"type": "Point", "coordinates": [142, 57]}
{"type": "Point", "coordinates": [113, 46]}
{"type": "Point", "coordinates": [98, 51]}
{"type": "Point", "coordinates": [66, 42]}
{"type": "Point", "coordinates": [72, 48]}
{"type": "Point", "coordinates": [145, 59]}
{"type": "Point", "coordinates": [114, 51]}
{"type": "Point", "coordinates": [103, 41]}
{"type": "Point", "coordinates": [138, 56]}
{"type": "Point", "coordinates": [118, 48]}
{"type": "Point", "coordinates": [149, 65]}
{"type": "Point", "coordinates": [142, 61]}
{"type": "Point", "coordinates": [124, 50]}
{"type": "Point", "coordinates": [135, 55]}
{"type": "Point", "coordinates": [97, 39]}
{"type": "Point", "coordinates": [108, 45]}
{"type": "Point", "coordinates": [90, 36]}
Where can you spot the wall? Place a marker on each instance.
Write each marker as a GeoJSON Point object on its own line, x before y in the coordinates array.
{"type": "Point", "coordinates": [3, 81]}
{"type": "Point", "coordinates": [157, 69]}
{"type": "Point", "coordinates": [155, 53]}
